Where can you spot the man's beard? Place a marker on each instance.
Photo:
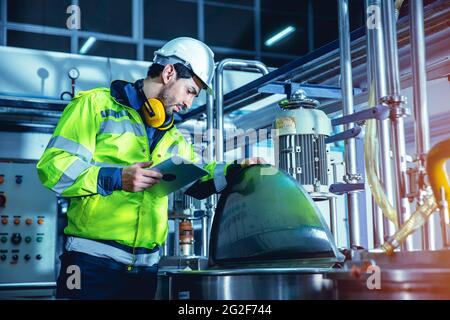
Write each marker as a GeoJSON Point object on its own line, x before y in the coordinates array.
{"type": "Point", "coordinates": [165, 97]}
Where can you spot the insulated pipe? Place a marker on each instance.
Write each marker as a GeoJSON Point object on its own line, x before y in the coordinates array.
{"type": "Point", "coordinates": [176, 237]}
{"type": "Point", "coordinates": [397, 125]}
{"type": "Point", "coordinates": [347, 102]}
{"type": "Point", "coordinates": [383, 126]}
{"type": "Point", "coordinates": [210, 201]}
{"type": "Point", "coordinates": [229, 64]}
{"type": "Point", "coordinates": [205, 244]}
{"type": "Point", "coordinates": [377, 214]}
{"type": "Point", "coordinates": [333, 208]}
{"type": "Point", "coordinates": [419, 76]}
{"type": "Point", "coordinates": [390, 40]}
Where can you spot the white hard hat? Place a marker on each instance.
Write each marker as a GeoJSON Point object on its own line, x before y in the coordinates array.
{"type": "Point", "coordinates": [193, 53]}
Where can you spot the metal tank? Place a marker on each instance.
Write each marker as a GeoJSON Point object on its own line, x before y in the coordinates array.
{"type": "Point", "coordinates": [300, 142]}
{"type": "Point", "coordinates": [268, 241]}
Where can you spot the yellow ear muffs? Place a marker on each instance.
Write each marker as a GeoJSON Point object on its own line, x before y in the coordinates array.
{"type": "Point", "coordinates": [154, 113]}
{"type": "Point", "coordinates": [169, 125]}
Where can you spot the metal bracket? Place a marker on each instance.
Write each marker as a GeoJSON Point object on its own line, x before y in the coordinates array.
{"type": "Point", "coordinates": [349, 177]}
{"type": "Point", "coordinates": [396, 105]}
{"type": "Point", "coordinates": [344, 135]}
{"type": "Point", "coordinates": [379, 112]}
{"type": "Point", "coordinates": [341, 188]}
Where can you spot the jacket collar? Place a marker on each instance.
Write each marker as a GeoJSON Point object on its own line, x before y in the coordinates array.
{"type": "Point", "coordinates": [125, 93]}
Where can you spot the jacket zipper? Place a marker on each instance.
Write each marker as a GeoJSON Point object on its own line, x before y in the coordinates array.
{"type": "Point", "coordinates": [133, 259]}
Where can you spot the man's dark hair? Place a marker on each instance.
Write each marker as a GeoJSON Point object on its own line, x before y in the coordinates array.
{"type": "Point", "coordinates": [182, 72]}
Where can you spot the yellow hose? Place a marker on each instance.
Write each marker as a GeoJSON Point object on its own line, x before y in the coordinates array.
{"type": "Point", "coordinates": [370, 158]}
{"type": "Point", "coordinates": [435, 165]}
{"type": "Point", "coordinates": [415, 221]}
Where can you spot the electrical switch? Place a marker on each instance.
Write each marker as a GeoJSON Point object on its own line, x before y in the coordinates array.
{"type": "Point", "coordinates": [16, 238]}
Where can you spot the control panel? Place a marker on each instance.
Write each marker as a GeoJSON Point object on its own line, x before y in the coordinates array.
{"type": "Point", "coordinates": [28, 214]}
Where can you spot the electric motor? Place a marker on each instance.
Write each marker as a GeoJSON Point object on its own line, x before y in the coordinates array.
{"type": "Point", "coordinates": [301, 130]}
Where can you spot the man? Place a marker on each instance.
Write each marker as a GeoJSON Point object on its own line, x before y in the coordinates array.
{"type": "Point", "coordinates": [99, 156]}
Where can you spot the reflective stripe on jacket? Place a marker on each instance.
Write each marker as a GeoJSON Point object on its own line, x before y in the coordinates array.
{"type": "Point", "coordinates": [95, 130]}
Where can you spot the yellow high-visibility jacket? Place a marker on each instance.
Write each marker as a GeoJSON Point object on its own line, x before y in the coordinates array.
{"type": "Point", "coordinates": [96, 130]}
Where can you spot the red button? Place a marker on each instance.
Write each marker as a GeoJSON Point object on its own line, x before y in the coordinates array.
{"type": "Point", "coordinates": [29, 221]}
{"type": "Point", "coordinates": [16, 221]}
{"type": "Point", "coordinates": [5, 221]}
{"type": "Point", "coordinates": [40, 221]}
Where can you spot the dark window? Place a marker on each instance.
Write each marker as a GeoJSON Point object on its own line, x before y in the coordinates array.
{"type": "Point", "coordinates": [247, 3]}
{"type": "Point", "coordinates": [168, 19]}
{"type": "Point", "coordinates": [274, 62]}
{"type": "Point", "coordinates": [106, 16]}
{"type": "Point", "coordinates": [221, 56]}
{"type": "Point", "coordinates": [38, 41]}
{"type": "Point", "coordinates": [326, 23]}
{"type": "Point", "coordinates": [357, 14]}
{"type": "Point", "coordinates": [41, 12]}
{"type": "Point", "coordinates": [110, 49]}
{"type": "Point", "coordinates": [149, 53]}
{"type": "Point", "coordinates": [229, 27]}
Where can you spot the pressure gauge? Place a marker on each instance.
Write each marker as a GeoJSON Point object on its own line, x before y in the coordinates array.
{"type": "Point", "coordinates": [74, 73]}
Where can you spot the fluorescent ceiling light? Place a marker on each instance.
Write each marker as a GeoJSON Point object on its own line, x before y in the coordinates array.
{"type": "Point", "coordinates": [87, 45]}
{"type": "Point", "coordinates": [280, 35]}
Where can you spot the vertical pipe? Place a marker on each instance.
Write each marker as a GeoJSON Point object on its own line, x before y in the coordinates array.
{"type": "Point", "coordinates": [210, 201]}
{"type": "Point", "coordinates": [138, 27]}
{"type": "Point", "coordinates": [377, 214]}
{"type": "Point", "coordinates": [310, 23]}
{"type": "Point", "coordinates": [204, 247]}
{"type": "Point", "coordinates": [390, 40]}
{"type": "Point", "coordinates": [201, 20]}
{"type": "Point", "coordinates": [176, 237]}
{"type": "Point", "coordinates": [419, 78]}
{"type": "Point", "coordinates": [257, 17]}
{"type": "Point", "coordinates": [383, 126]}
{"type": "Point", "coordinates": [231, 64]}
{"type": "Point", "coordinates": [397, 125]}
{"type": "Point", "coordinates": [74, 35]}
{"type": "Point", "coordinates": [422, 132]}
{"type": "Point", "coordinates": [165, 249]}
{"type": "Point", "coordinates": [347, 101]}
{"type": "Point", "coordinates": [399, 150]}
{"type": "Point", "coordinates": [217, 106]}
{"type": "Point", "coordinates": [218, 103]}
{"type": "Point", "coordinates": [219, 114]}
{"type": "Point", "coordinates": [333, 218]}
{"type": "Point", "coordinates": [333, 208]}
{"type": "Point", "coordinates": [3, 22]}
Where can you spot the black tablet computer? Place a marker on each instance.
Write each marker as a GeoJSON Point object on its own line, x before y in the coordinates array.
{"type": "Point", "coordinates": [177, 173]}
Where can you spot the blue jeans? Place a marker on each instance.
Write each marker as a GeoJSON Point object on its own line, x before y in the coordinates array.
{"type": "Point", "coordinates": [101, 278]}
